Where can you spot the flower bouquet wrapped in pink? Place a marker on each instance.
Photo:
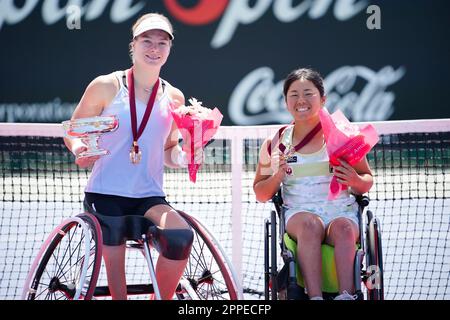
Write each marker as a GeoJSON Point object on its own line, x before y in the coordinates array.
{"type": "Point", "coordinates": [197, 125]}
{"type": "Point", "coordinates": [345, 141]}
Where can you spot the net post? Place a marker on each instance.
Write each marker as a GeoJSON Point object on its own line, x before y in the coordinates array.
{"type": "Point", "coordinates": [237, 147]}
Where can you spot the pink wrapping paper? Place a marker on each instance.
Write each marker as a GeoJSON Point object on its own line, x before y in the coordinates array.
{"type": "Point", "coordinates": [345, 141]}
{"type": "Point", "coordinates": [197, 129]}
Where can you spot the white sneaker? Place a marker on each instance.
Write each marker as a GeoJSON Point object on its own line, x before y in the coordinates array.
{"type": "Point", "coordinates": [316, 298]}
{"type": "Point", "coordinates": [346, 296]}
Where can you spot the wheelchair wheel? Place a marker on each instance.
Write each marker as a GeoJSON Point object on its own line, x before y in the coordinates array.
{"type": "Point", "coordinates": [208, 274]}
{"type": "Point", "coordinates": [271, 274]}
{"type": "Point", "coordinates": [68, 264]}
{"type": "Point", "coordinates": [273, 255]}
{"type": "Point", "coordinates": [374, 259]}
{"type": "Point", "coordinates": [266, 260]}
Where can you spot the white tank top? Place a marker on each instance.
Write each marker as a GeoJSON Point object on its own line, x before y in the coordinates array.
{"type": "Point", "coordinates": [310, 179]}
{"type": "Point", "coordinates": [114, 174]}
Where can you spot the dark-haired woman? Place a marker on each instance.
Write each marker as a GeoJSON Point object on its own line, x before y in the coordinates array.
{"type": "Point", "coordinates": [296, 161]}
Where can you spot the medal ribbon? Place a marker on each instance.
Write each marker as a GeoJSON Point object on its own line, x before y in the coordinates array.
{"type": "Point", "coordinates": [300, 145]}
{"type": "Point", "coordinates": [304, 141]}
{"type": "Point", "coordinates": [138, 132]}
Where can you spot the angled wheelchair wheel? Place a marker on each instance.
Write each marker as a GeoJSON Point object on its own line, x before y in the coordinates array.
{"type": "Point", "coordinates": [267, 284]}
{"type": "Point", "coordinates": [208, 275]}
{"type": "Point", "coordinates": [270, 258]}
{"type": "Point", "coordinates": [374, 260]}
{"type": "Point", "coordinates": [68, 264]}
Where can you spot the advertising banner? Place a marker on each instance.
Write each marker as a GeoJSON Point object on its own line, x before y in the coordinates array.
{"type": "Point", "coordinates": [381, 60]}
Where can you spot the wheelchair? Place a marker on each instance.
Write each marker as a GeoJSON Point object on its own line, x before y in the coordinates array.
{"type": "Point", "coordinates": [68, 263]}
{"type": "Point", "coordinates": [288, 284]}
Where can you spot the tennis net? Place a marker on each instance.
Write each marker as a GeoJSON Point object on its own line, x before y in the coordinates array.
{"type": "Point", "coordinates": [41, 185]}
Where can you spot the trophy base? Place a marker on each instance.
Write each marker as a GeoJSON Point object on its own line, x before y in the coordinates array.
{"type": "Point", "coordinates": [92, 153]}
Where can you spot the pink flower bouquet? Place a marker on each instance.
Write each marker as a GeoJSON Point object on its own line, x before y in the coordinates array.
{"type": "Point", "coordinates": [197, 125]}
{"type": "Point", "coordinates": [345, 141]}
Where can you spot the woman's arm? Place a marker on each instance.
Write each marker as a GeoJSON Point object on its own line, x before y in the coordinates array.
{"type": "Point", "coordinates": [98, 94]}
{"type": "Point", "coordinates": [270, 173]}
{"type": "Point", "coordinates": [174, 157]}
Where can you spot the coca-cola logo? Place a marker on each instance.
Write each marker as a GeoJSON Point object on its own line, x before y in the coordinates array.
{"type": "Point", "coordinates": [258, 98]}
{"type": "Point", "coordinates": [234, 13]}
{"type": "Point", "coordinates": [373, 102]}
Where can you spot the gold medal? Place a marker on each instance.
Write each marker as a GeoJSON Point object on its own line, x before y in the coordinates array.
{"type": "Point", "coordinates": [135, 153]}
{"type": "Point", "coordinates": [289, 168]}
{"type": "Point", "coordinates": [286, 156]}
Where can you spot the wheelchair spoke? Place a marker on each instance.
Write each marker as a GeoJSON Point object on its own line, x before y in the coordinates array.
{"type": "Point", "coordinates": [78, 268]}
{"type": "Point", "coordinates": [203, 272]}
{"type": "Point", "coordinates": [199, 252]}
{"type": "Point", "coordinates": [45, 291]}
{"type": "Point", "coordinates": [71, 252]}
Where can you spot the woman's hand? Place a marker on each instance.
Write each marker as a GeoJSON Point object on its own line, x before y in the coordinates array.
{"type": "Point", "coordinates": [283, 167]}
{"type": "Point", "coordinates": [347, 175]}
{"type": "Point", "coordinates": [84, 162]}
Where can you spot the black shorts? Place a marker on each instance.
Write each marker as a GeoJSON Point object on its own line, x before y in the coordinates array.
{"type": "Point", "coordinates": [110, 205]}
{"type": "Point", "coordinates": [120, 217]}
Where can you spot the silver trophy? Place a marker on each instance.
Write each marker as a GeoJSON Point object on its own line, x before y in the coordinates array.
{"type": "Point", "coordinates": [89, 131]}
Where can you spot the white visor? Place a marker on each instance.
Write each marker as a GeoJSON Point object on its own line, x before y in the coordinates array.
{"type": "Point", "coordinates": [153, 23]}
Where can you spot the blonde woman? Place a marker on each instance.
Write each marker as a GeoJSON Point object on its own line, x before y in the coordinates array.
{"type": "Point", "coordinates": [129, 181]}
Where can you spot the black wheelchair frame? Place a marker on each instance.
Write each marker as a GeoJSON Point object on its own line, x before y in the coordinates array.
{"type": "Point", "coordinates": [68, 263]}
{"type": "Point", "coordinates": [283, 284]}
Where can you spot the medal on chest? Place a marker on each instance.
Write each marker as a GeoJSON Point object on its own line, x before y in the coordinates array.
{"type": "Point", "coordinates": [135, 153]}
{"type": "Point", "coordinates": [287, 156]}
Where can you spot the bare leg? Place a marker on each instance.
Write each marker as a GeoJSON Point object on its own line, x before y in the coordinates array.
{"type": "Point", "coordinates": [309, 231]}
{"type": "Point", "coordinates": [114, 257]}
{"type": "Point", "coordinates": [342, 234]}
{"type": "Point", "coordinates": [168, 272]}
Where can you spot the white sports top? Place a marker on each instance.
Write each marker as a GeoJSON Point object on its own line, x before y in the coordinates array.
{"type": "Point", "coordinates": [309, 182]}
{"type": "Point", "coordinates": [114, 174]}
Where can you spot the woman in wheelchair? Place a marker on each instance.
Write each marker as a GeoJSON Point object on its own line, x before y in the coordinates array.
{"type": "Point", "coordinates": [130, 181]}
{"type": "Point", "coordinates": [296, 161]}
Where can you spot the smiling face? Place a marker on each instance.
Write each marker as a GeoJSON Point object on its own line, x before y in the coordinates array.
{"type": "Point", "coordinates": [303, 100]}
{"type": "Point", "coordinates": [151, 48]}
